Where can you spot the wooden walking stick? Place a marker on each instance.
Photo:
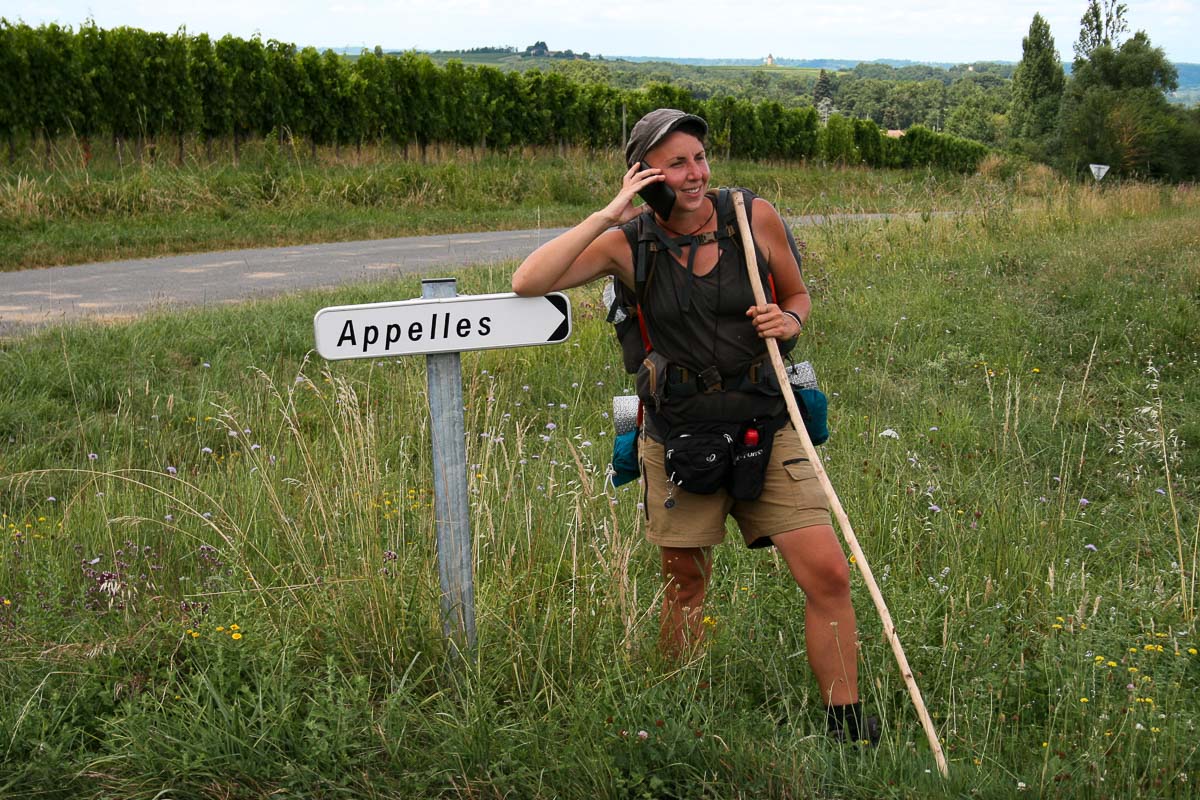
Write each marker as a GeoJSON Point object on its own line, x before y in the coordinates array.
{"type": "Point", "coordinates": [889, 629]}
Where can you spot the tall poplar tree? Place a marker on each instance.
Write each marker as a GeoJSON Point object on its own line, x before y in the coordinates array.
{"type": "Point", "coordinates": [1101, 24]}
{"type": "Point", "coordinates": [823, 88]}
{"type": "Point", "coordinates": [1037, 85]}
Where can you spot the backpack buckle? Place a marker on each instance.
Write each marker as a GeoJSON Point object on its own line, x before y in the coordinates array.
{"type": "Point", "coordinates": [711, 380]}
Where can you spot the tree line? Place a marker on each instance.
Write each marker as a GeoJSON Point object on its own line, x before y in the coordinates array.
{"type": "Point", "coordinates": [145, 88]}
{"type": "Point", "coordinates": [892, 97]}
{"type": "Point", "coordinates": [1112, 110]}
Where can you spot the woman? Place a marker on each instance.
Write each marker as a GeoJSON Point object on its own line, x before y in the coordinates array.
{"type": "Point", "coordinates": [708, 335]}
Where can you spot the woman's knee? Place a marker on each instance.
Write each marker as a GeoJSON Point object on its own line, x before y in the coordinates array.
{"type": "Point", "coordinates": [832, 579]}
{"type": "Point", "coordinates": [817, 562]}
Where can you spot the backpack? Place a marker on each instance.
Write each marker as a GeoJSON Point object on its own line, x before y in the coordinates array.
{"type": "Point", "coordinates": [646, 239]}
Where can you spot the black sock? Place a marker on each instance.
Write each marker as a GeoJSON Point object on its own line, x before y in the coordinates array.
{"type": "Point", "coordinates": [845, 721]}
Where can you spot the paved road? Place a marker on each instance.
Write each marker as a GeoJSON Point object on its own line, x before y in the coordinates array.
{"type": "Point", "coordinates": [123, 289]}
{"type": "Point", "coordinates": [118, 290]}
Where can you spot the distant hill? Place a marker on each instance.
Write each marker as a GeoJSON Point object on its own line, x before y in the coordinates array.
{"type": "Point", "coordinates": [832, 64]}
{"type": "Point", "coordinates": [1189, 76]}
{"type": "Point", "coordinates": [1187, 94]}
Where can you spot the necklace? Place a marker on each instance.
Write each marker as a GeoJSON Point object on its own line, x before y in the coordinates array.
{"type": "Point", "coordinates": [678, 235]}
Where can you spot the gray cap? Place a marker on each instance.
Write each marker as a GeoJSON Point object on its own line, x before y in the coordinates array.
{"type": "Point", "coordinates": [655, 126]}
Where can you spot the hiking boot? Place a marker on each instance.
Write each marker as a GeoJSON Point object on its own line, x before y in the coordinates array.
{"type": "Point", "coordinates": [869, 733]}
{"type": "Point", "coordinates": [847, 724]}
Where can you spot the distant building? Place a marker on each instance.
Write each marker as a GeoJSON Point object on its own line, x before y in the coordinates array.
{"type": "Point", "coordinates": [769, 60]}
{"type": "Point", "coordinates": [537, 50]}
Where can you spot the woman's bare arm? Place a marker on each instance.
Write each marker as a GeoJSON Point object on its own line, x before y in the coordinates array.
{"type": "Point", "coordinates": [588, 250]}
{"type": "Point", "coordinates": [790, 292]}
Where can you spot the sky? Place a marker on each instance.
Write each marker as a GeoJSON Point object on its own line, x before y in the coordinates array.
{"type": "Point", "coordinates": [916, 30]}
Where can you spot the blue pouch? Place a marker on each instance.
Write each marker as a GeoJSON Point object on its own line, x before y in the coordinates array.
{"type": "Point", "coordinates": [625, 457]}
{"type": "Point", "coordinates": [814, 410]}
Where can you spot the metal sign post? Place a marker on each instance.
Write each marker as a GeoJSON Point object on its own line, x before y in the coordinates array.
{"type": "Point", "coordinates": [443, 373]}
{"type": "Point", "coordinates": [440, 325]}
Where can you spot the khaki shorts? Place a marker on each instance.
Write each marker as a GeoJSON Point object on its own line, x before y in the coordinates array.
{"type": "Point", "coordinates": [791, 499]}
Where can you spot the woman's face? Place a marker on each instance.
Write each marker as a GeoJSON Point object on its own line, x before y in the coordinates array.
{"type": "Point", "coordinates": [681, 158]}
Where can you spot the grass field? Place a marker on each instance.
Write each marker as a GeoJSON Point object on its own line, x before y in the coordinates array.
{"type": "Point", "coordinates": [63, 214]}
{"type": "Point", "coordinates": [218, 577]}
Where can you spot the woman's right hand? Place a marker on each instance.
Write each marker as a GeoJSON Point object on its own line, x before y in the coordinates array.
{"type": "Point", "coordinates": [621, 209]}
{"type": "Point", "coordinates": [588, 250]}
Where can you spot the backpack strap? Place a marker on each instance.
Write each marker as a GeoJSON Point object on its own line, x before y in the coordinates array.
{"type": "Point", "coordinates": [727, 228]}
{"type": "Point", "coordinates": [730, 235]}
{"type": "Point", "coordinates": [639, 245]}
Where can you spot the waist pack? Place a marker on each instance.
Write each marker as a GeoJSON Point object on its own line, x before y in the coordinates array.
{"type": "Point", "coordinates": [704, 458]}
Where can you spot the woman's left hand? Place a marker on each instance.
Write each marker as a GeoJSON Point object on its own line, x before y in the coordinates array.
{"type": "Point", "coordinates": [772, 323]}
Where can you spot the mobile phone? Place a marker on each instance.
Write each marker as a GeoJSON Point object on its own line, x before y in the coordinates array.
{"type": "Point", "coordinates": [658, 196]}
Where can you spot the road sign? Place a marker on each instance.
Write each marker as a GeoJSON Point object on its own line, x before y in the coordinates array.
{"type": "Point", "coordinates": [439, 325]}
{"type": "Point", "coordinates": [1099, 170]}
{"type": "Point", "coordinates": [445, 325]}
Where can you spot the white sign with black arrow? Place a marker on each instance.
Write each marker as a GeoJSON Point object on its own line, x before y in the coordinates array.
{"type": "Point", "coordinates": [445, 325]}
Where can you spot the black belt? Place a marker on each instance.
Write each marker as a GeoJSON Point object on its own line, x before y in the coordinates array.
{"type": "Point", "coordinates": [684, 382]}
